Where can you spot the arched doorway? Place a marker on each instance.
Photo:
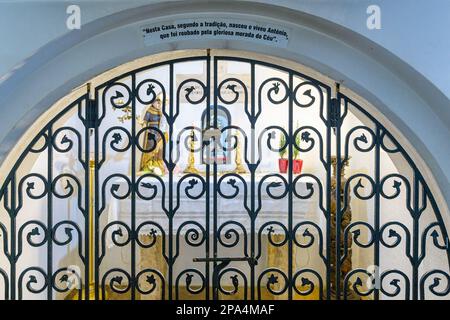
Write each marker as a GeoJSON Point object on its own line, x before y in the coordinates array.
{"type": "Point", "coordinates": [289, 190]}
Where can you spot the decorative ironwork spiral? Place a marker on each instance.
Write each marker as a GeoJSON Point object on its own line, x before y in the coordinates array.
{"type": "Point", "coordinates": [153, 235]}
{"type": "Point", "coordinates": [33, 284]}
{"type": "Point", "coordinates": [188, 281]}
{"type": "Point", "coordinates": [188, 90]}
{"type": "Point", "coordinates": [142, 186]}
{"type": "Point", "coordinates": [275, 85]}
{"type": "Point", "coordinates": [274, 90]}
{"type": "Point", "coordinates": [357, 285]}
{"type": "Point", "coordinates": [232, 83]}
{"type": "Point", "coordinates": [436, 233]}
{"type": "Point", "coordinates": [358, 187]}
{"type": "Point", "coordinates": [189, 138]}
{"type": "Point", "coordinates": [355, 229]}
{"type": "Point", "coordinates": [395, 181]}
{"type": "Point", "coordinates": [269, 227]}
{"type": "Point", "coordinates": [308, 139]}
{"type": "Point", "coordinates": [39, 232]}
{"type": "Point", "coordinates": [66, 279]}
{"type": "Point", "coordinates": [307, 234]}
{"type": "Point", "coordinates": [231, 139]}
{"type": "Point", "coordinates": [116, 135]}
{"type": "Point", "coordinates": [395, 284]}
{"type": "Point", "coordinates": [437, 287]}
{"type": "Point", "coordinates": [69, 228]}
{"type": "Point", "coordinates": [117, 94]}
{"type": "Point", "coordinates": [231, 180]}
{"type": "Point", "coordinates": [115, 235]}
{"type": "Point", "coordinates": [310, 188]}
{"type": "Point", "coordinates": [115, 189]}
{"type": "Point", "coordinates": [153, 280]}
{"type": "Point", "coordinates": [228, 235]}
{"type": "Point", "coordinates": [194, 235]}
{"type": "Point", "coordinates": [194, 189]}
{"type": "Point", "coordinates": [361, 141]}
{"type": "Point", "coordinates": [116, 281]}
{"type": "Point", "coordinates": [392, 238]}
{"type": "Point", "coordinates": [311, 98]}
{"type": "Point", "coordinates": [273, 185]}
{"type": "Point", "coordinates": [147, 91]}
{"type": "Point", "coordinates": [68, 181]}
{"type": "Point", "coordinates": [62, 140]}
{"type": "Point", "coordinates": [305, 281]}
{"type": "Point", "coordinates": [36, 188]}
{"type": "Point", "coordinates": [271, 134]}
{"type": "Point", "coordinates": [273, 277]}
{"type": "Point", "coordinates": [155, 135]}
{"type": "Point", "coordinates": [234, 277]}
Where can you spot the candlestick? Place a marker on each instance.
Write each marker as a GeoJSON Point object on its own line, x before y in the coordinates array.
{"type": "Point", "coordinates": [237, 157]}
{"type": "Point", "coordinates": [191, 158]}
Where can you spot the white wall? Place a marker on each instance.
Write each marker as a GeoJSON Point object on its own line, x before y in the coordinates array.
{"type": "Point", "coordinates": [402, 69]}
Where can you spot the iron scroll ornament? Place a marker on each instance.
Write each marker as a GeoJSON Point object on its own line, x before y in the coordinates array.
{"type": "Point", "coordinates": [87, 139]}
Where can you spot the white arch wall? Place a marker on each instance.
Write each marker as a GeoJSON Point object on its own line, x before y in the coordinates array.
{"type": "Point", "coordinates": [371, 64]}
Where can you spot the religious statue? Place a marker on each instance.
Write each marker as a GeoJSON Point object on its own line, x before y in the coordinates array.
{"type": "Point", "coordinates": [152, 159]}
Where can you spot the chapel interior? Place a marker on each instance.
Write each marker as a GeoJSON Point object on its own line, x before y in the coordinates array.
{"type": "Point", "coordinates": [222, 168]}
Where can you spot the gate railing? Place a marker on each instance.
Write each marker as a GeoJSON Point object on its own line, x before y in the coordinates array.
{"type": "Point", "coordinates": [69, 164]}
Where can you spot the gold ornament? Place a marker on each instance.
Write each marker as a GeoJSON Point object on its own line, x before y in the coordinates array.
{"type": "Point", "coordinates": [237, 157]}
{"type": "Point", "coordinates": [191, 158]}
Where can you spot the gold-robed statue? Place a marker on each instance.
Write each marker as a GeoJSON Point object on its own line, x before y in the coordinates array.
{"type": "Point", "coordinates": [153, 144]}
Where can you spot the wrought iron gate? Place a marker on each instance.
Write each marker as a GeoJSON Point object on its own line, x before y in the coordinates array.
{"type": "Point", "coordinates": [88, 213]}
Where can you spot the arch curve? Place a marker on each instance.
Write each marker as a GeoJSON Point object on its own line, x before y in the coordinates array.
{"type": "Point", "coordinates": [87, 136]}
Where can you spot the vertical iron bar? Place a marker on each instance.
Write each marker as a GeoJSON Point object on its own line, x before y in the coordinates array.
{"type": "Point", "coordinates": [5, 197]}
{"type": "Point", "coordinates": [170, 266]}
{"type": "Point", "coordinates": [207, 207]}
{"type": "Point", "coordinates": [96, 200]}
{"type": "Point", "coordinates": [338, 197]}
{"type": "Point", "coordinates": [377, 212]}
{"type": "Point", "coordinates": [415, 237]}
{"type": "Point", "coordinates": [329, 197]}
{"type": "Point", "coordinates": [291, 187]}
{"type": "Point", "coordinates": [9, 210]}
{"type": "Point", "coordinates": [87, 197]}
{"type": "Point", "coordinates": [215, 290]}
{"type": "Point", "coordinates": [133, 188]}
{"type": "Point", "coordinates": [252, 184]}
{"type": "Point", "coordinates": [13, 214]}
{"type": "Point", "coordinates": [49, 214]}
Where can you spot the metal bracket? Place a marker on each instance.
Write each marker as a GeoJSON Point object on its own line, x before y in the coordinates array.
{"type": "Point", "coordinates": [335, 112]}
{"type": "Point", "coordinates": [91, 113]}
{"type": "Point", "coordinates": [227, 259]}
